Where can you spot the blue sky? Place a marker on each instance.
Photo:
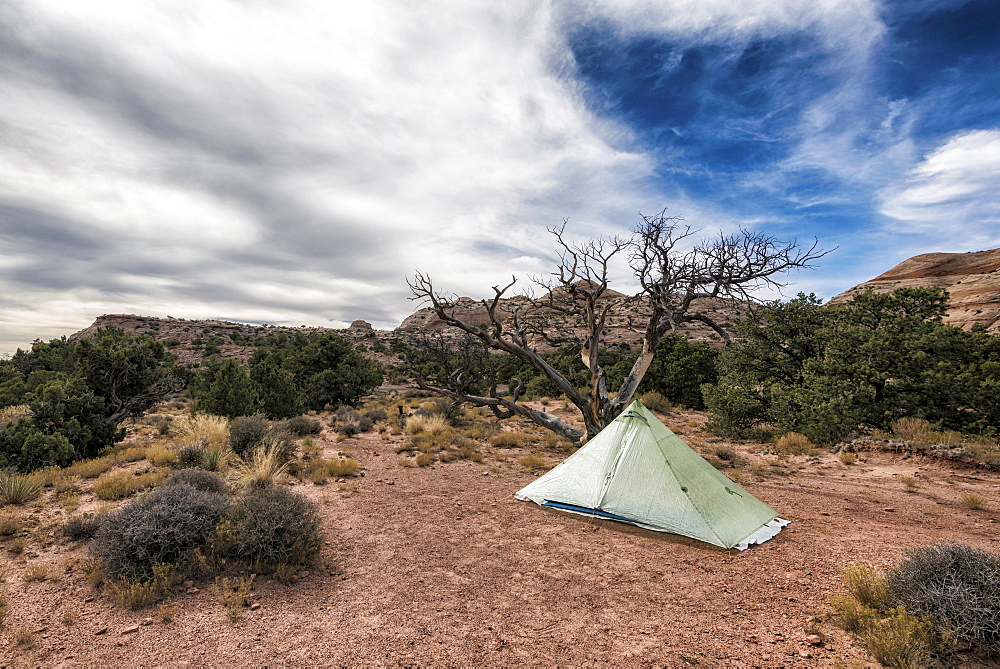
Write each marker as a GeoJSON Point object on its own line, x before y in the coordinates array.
{"type": "Point", "coordinates": [294, 162]}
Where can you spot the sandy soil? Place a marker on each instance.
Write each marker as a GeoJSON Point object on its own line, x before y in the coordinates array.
{"type": "Point", "coordinates": [441, 566]}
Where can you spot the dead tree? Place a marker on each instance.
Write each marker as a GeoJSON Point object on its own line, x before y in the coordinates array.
{"type": "Point", "coordinates": [575, 310]}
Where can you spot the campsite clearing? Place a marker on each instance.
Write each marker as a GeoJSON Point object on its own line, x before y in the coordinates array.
{"type": "Point", "coordinates": [441, 565]}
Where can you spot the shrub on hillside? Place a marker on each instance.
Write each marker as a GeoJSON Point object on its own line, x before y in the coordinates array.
{"type": "Point", "coordinates": [301, 426]}
{"type": "Point", "coordinates": [83, 527]}
{"type": "Point", "coordinates": [959, 586]}
{"type": "Point", "coordinates": [199, 479]}
{"type": "Point", "coordinates": [246, 432]}
{"type": "Point", "coordinates": [165, 527]}
{"type": "Point", "coordinates": [272, 527]}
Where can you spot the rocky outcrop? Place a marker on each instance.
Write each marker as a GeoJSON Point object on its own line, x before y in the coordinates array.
{"type": "Point", "coordinates": [971, 279]}
{"type": "Point", "coordinates": [194, 340]}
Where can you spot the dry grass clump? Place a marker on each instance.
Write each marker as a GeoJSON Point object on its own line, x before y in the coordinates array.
{"type": "Point", "coordinates": [120, 484]}
{"type": "Point", "coordinates": [320, 469]}
{"type": "Point", "coordinates": [91, 469]}
{"type": "Point", "coordinates": [161, 456]}
{"type": "Point", "coordinates": [234, 592]}
{"type": "Point", "coordinates": [909, 483]}
{"type": "Point", "coordinates": [264, 464]}
{"type": "Point", "coordinates": [655, 401]}
{"type": "Point", "coordinates": [9, 525]}
{"type": "Point", "coordinates": [10, 414]}
{"type": "Point", "coordinates": [35, 572]}
{"type": "Point", "coordinates": [915, 430]}
{"type": "Point", "coordinates": [847, 457]}
{"type": "Point", "coordinates": [429, 423]}
{"type": "Point", "coordinates": [203, 429]}
{"type": "Point", "coordinates": [534, 462]}
{"type": "Point", "coordinates": [509, 440]}
{"type": "Point", "coordinates": [867, 585]}
{"type": "Point", "coordinates": [973, 501]}
{"type": "Point", "coordinates": [19, 489]}
{"type": "Point", "coordinates": [793, 443]}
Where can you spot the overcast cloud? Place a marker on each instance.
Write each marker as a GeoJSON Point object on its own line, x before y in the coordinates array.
{"type": "Point", "coordinates": [295, 162]}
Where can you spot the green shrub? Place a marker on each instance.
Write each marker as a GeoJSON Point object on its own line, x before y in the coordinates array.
{"type": "Point", "coordinates": [375, 415]}
{"type": "Point", "coordinates": [199, 479]}
{"type": "Point", "coordinates": [165, 527]}
{"type": "Point", "coordinates": [272, 526]}
{"type": "Point", "coordinates": [246, 432]}
{"type": "Point", "coordinates": [348, 429]}
{"type": "Point", "coordinates": [654, 401]}
{"type": "Point", "coordinates": [868, 585]}
{"type": "Point", "coordinates": [959, 586]}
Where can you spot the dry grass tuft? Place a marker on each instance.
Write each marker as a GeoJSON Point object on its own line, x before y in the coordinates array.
{"type": "Point", "coordinates": [161, 456]}
{"type": "Point", "coordinates": [655, 401]}
{"type": "Point", "coordinates": [847, 457]}
{"type": "Point", "coordinates": [431, 424]}
{"type": "Point", "coordinates": [120, 484]}
{"type": "Point", "coordinates": [867, 585]}
{"type": "Point", "coordinates": [793, 443]}
{"type": "Point", "coordinates": [909, 483]}
{"type": "Point", "coordinates": [264, 464]}
{"type": "Point", "coordinates": [205, 430]}
{"type": "Point", "coordinates": [534, 462]}
{"type": "Point", "coordinates": [915, 430]}
{"type": "Point", "coordinates": [971, 500]}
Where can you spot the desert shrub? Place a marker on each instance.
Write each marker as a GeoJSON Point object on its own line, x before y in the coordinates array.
{"type": "Point", "coordinates": [375, 415]}
{"type": "Point", "coordinates": [272, 526]}
{"type": "Point", "coordinates": [18, 489]}
{"type": "Point", "coordinates": [300, 426]}
{"type": "Point", "coordinates": [730, 457]}
{"type": "Point", "coordinates": [958, 585]}
{"type": "Point", "coordinates": [282, 441]}
{"type": "Point", "coordinates": [348, 429]}
{"type": "Point", "coordinates": [201, 480]}
{"type": "Point", "coordinates": [165, 527]}
{"type": "Point", "coordinates": [83, 527]}
{"type": "Point", "coordinates": [793, 443]}
{"type": "Point", "coordinates": [365, 424]}
{"type": "Point", "coordinates": [901, 639]}
{"type": "Point", "coordinates": [189, 455]}
{"type": "Point", "coordinates": [654, 401]}
{"type": "Point", "coordinates": [246, 432]}
{"type": "Point", "coordinates": [424, 459]}
{"type": "Point", "coordinates": [140, 594]}
{"type": "Point", "coordinates": [213, 458]}
{"type": "Point", "coordinates": [852, 615]}
{"type": "Point", "coordinates": [971, 500]}
{"type": "Point", "coordinates": [120, 484]}
{"type": "Point", "coordinates": [847, 457]}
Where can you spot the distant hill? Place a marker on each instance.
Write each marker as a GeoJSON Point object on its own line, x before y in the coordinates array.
{"type": "Point", "coordinates": [188, 339]}
{"type": "Point", "coordinates": [971, 279]}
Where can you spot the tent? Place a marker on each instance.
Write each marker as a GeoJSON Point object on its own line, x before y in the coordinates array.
{"type": "Point", "coordinates": [637, 471]}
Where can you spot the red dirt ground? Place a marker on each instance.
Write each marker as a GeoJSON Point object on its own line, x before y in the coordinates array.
{"type": "Point", "coordinates": [441, 566]}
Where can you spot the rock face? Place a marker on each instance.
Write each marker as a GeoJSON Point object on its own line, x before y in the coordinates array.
{"type": "Point", "coordinates": [971, 279]}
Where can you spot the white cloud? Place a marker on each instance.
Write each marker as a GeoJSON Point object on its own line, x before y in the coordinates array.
{"type": "Point", "coordinates": [953, 195]}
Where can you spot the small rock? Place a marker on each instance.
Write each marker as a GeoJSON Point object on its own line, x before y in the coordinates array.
{"type": "Point", "coordinates": [88, 598]}
{"type": "Point", "coordinates": [391, 483]}
{"type": "Point", "coordinates": [303, 574]}
{"type": "Point", "coordinates": [146, 622]}
{"type": "Point", "coordinates": [814, 639]}
{"type": "Point", "coordinates": [889, 510]}
{"type": "Point", "coordinates": [823, 513]}
{"type": "Point", "coordinates": [192, 591]}
{"type": "Point", "coordinates": [486, 473]}
{"type": "Point", "coordinates": [130, 630]}
{"type": "Point", "coordinates": [805, 654]}
{"type": "Point", "coordinates": [102, 630]}
{"type": "Point", "coordinates": [188, 584]}
{"type": "Point", "coordinates": [255, 606]}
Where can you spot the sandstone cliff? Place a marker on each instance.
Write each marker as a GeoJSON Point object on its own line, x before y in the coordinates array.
{"type": "Point", "coordinates": [971, 279]}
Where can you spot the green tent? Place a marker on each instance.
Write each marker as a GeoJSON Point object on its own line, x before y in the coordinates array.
{"type": "Point", "coordinates": [637, 471]}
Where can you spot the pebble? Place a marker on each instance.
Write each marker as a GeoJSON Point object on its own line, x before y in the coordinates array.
{"type": "Point", "coordinates": [815, 639]}
{"type": "Point", "coordinates": [890, 510]}
{"type": "Point", "coordinates": [102, 630]}
{"type": "Point", "coordinates": [192, 591]}
{"type": "Point", "coordinates": [188, 584]}
{"type": "Point", "coordinates": [146, 622]}
{"type": "Point", "coordinates": [130, 630]}
{"type": "Point", "coordinates": [255, 606]}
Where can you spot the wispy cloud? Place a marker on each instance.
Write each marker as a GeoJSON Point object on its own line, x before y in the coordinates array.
{"type": "Point", "coordinates": [952, 195]}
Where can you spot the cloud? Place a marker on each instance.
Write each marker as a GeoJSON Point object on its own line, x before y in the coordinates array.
{"type": "Point", "coordinates": [289, 161]}
{"type": "Point", "coordinates": [953, 195]}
